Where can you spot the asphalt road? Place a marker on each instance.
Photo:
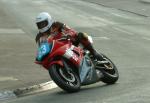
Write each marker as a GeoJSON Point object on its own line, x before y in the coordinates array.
{"type": "Point", "coordinates": [138, 7]}
{"type": "Point", "coordinates": [121, 35]}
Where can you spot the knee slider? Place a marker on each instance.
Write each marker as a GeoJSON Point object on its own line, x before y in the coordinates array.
{"type": "Point", "coordinates": [82, 36]}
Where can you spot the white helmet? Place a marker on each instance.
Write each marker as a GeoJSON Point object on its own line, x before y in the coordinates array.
{"type": "Point", "coordinates": [44, 22]}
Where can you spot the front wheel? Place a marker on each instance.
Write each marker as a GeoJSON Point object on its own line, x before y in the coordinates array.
{"type": "Point", "coordinates": [67, 80]}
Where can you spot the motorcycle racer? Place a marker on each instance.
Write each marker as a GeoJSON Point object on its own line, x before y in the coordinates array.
{"type": "Point", "coordinates": [50, 29]}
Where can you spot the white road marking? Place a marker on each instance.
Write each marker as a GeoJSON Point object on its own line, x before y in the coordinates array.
{"type": "Point", "coordinates": [39, 2]}
{"type": "Point", "coordinates": [35, 88]}
{"type": "Point", "coordinates": [146, 38]}
{"type": "Point", "coordinates": [119, 29]}
{"type": "Point", "coordinates": [138, 66]}
{"type": "Point", "coordinates": [5, 95]}
{"type": "Point", "coordinates": [106, 21]}
{"type": "Point", "coordinates": [48, 85]}
{"type": "Point", "coordinates": [101, 38]}
{"type": "Point", "coordinates": [14, 2]}
{"type": "Point", "coordinates": [11, 1]}
{"type": "Point", "coordinates": [122, 16]}
{"type": "Point", "coordinates": [7, 79]}
{"type": "Point", "coordinates": [118, 15]}
{"type": "Point", "coordinates": [94, 22]}
{"type": "Point", "coordinates": [11, 30]}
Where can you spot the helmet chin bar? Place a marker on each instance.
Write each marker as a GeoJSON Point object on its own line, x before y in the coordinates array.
{"type": "Point", "coordinates": [45, 29]}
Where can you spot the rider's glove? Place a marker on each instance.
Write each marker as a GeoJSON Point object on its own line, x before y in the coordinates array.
{"type": "Point", "coordinates": [66, 37]}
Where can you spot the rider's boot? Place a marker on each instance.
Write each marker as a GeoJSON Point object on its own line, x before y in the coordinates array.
{"type": "Point", "coordinates": [94, 53]}
{"type": "Point", "coordinates": [83, 39]}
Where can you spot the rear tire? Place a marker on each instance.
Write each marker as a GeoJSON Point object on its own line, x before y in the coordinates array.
{"type": "Point", "coordinates": [110, 78]}
{"type": "Point", "coordinates": [71, 84]}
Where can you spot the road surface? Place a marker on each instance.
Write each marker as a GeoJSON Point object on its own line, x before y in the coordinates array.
{"type": "Point", "coordinates": [123, 36]}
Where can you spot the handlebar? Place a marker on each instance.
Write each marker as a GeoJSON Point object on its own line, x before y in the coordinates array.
{"type": "Point", "coordinates": [65, 38]}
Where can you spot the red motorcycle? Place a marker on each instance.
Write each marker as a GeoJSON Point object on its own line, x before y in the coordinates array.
{"type": "Point", "coordinates": [71, 67]}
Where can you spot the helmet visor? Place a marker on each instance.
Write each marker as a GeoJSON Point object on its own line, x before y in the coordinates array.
{"type": "Point", "coordinates": [42, 24]}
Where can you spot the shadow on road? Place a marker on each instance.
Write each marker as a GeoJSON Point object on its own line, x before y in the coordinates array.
{"type": "Point", "coordinates": [89, 88]}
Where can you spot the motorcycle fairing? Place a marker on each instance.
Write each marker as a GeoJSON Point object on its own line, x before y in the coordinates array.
{"type": "Point", "coordinates": [43, 50]}
{"type": "Point", "coordinates": [87, 72]}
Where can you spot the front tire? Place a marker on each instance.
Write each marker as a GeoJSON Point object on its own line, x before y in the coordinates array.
{"type": "Point", "coordinates": [69, 82]}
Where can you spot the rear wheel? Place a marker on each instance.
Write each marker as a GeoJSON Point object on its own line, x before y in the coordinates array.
{"type": "Point", "coordinates": [67, 80]}
{"type": "Point", "coordinates": [109, 71]}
